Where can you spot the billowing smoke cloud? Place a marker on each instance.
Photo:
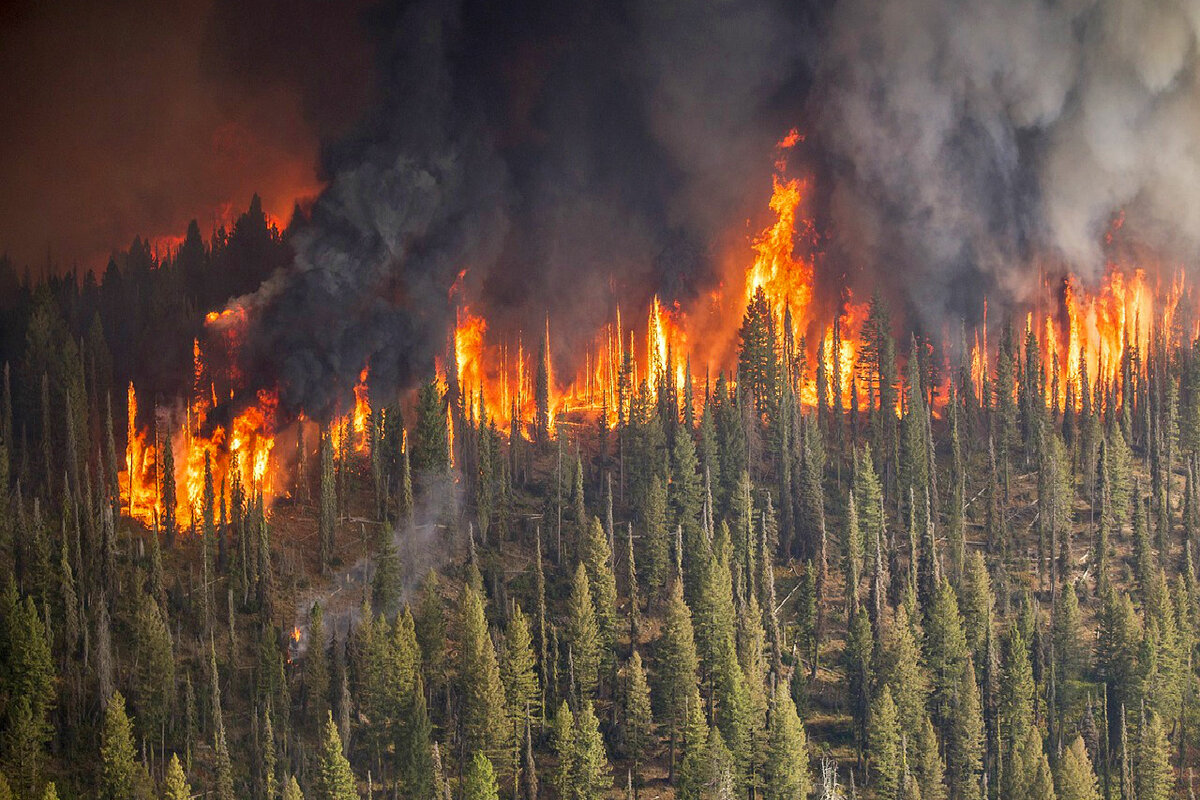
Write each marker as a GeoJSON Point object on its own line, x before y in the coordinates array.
{"type": "Point", "coordinates": [569, 156]}
{"type": "Point", "coordinates": [971, 141]}
{"type": "Point", "coordinates": [562, 156]}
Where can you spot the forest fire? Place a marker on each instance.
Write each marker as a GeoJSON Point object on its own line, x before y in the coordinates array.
{"type": "Point", "coordinates": [1085, 337]}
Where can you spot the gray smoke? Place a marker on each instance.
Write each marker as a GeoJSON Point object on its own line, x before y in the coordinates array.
{"type": "Point", "coordinates": [568, 156]}
{"type": "Point", "coordinates": [974, 142]}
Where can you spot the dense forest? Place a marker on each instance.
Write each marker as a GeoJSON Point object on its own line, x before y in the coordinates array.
{"type": "Point", "coordinates": [941, 586]}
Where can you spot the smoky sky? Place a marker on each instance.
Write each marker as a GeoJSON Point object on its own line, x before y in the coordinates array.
{"type": "Point", "coordinates": [131, 117]}
{"type": "Point", "coordinates": [560, 156]}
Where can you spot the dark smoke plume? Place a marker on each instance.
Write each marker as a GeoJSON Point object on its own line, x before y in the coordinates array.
{"type": "Point", "coordinates": [569, 155]}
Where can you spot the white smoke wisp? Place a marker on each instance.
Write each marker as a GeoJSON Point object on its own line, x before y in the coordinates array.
{"type": "Point", "coordinates": [973, 139]}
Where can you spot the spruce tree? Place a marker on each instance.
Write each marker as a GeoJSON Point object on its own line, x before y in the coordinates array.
{"type": "Point", "coordinates": [1155, 777]}
{"type": "Point", "coordinates": [883, 745]}
{"type": "Point", "coordinates": [591, 773]}
{"type": "Point", "coordinates": [787, 774]}
{"type": "Point", "coordinates": [583, 634]}
{"type": "Point", "coordinates": [481, 692]}
{"type": "Point", "coordinates": [638, 724]}
{"type": "Point", "coordinates": [598, 559]}
{"type": "Point", "coordinates": [333, 779]}
{"type": "Point", "coordinates": [327, 510]}
{"type": "Point", "coordinates": [122, 776]}
{"type": "Point", "coordinates": [518, 675]}
{"type": "Point", "coordinates": [1076, 779]}
{"type": "Point", "coordinates": [965, 740]}
{"type": "Point", "coordinates": [175, 785]}
{"type": "Point", "coordinates": [316, 670]}
{"type": "Point", "coordinates": [676, 664]}
{"type": "Point", "coordinates": [479, 783]}
{"type": "Point", "coordinates": [291, 791]}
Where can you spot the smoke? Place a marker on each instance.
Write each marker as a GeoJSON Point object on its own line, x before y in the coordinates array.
{"type": "Point", "coordinates": [972, 142]}
{"type": "Point", "coordinates": [561, 157]}
{"type": "Point", "coordinates": [567, 157]}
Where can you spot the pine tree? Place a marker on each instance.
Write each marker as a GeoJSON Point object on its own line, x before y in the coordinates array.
{"type": "Point", "coordinates": [928, 762]}
{"type": "Point", "coordinates": [945, 652]}
{"type": "Point", "coordinates": [327, 509]}
{"type": "Point", "coordinates": [638, 728]}
{"type": "Point", "coordinates": [583, 634]}
{"type": "Point", "coordinates": [1155, 777]}
{"type": "Point", "coordinates": [883, 745]}
{"type": "Point", "coordinates": [965, 740]}
{"type": "Point", "coordinates": [316, 670]}
{"type": "Point", "coordinates": [656, 553]}
{"type": "Point", "coordinates": [903, 673]}
{"type": "Point", "coordinates": [518, 675]}
{"type": "Point", "coordinates": [122, 776]}
{"type": "Point", "coordinates": [481, 692]}
{"type": "Point", "coordinates": [480, 781]}
{"type": "Point", "coordinates": [169, 524]}
{"type": "Point", "coordinates": [431, 448]}
{"type": "Point", "coordinates": [676, 663]}
{"type": "Point", "coordinates": [858, 656]}
{"type": "Point", "coordinates": [788, 776]}
{"type": "Point", "coordinates": [224, 766]}
{"type": "Point", "coordinates": [291, 791]}
{"type": "Point", "coordinates": [598, 559]}
{"type": "Point", "coordinates": [591, 773]}
{"type": "Point", "coordinates": [1076, 779]}
{"type": "Point", "coordinates": [155, 669]}
{"type": "Point", "coordinates": [333, 779]}
{"type": "Point", "coordinates": [175, 785]}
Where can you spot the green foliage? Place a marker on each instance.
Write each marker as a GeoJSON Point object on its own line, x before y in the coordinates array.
{"type": "Point", "coordinates": [583, 634]}
{"type": "Point", "coordinates": [479, 783]}
{"type": "Point", "coordinates": [787, 774]}
{"type": "Point", "coordinates": [883, 745]}
{"type": "Point", "coordinates": [1076, 779]}
{"type": "Point", "coordinates": [122, 776]}
{"type": "Point", "coordinates": [175, 785]}
{"type": "Point", "coordinates": [481, 693]}
{"type": "Point", "coordinates": [333, 779]}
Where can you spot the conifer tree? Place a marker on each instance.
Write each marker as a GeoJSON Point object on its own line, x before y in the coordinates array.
{"type": "Point", "coordinates": [583, 634]}
{"type": "Point", "coordinates": [638, 724]}
{"type": "Point", "coordinates": [928, 762]}
{"type": "Point", "coordinates": [598, 559]}
{"type": "Point", "coordinates": [169, 524]}
{"type": "Point", "coordinates": [965, 740]}
{"type": "Point", "coordinates": [333, 779]}
{"type": "Point", "coordinates": [656, 553]}
{"type": "Point", "coordinates": [518, 675]}
{"type": "Point", "coordinates": [327, 511]}
{"type": "Point", "coordinates": [481, 692]}
{"type": "Point", "coordinates": [316, 670]}
{"type": "Point", "coordinates": [883, 745]}
{"type": "Point", "coordinates": [1154, 774]}
{"type": "Point", "coordinates": [591, 773]}
{"type": "Point", "coordinates": [945, 652]}
{"type": "Point", "coordinates": [676, 663]}
{"type": "Point", "coordinates": [903, 673]}
{"type": "Point", "coordinates": [291, 791]}
{"type": "Point", "coordinates": [787, 774]}
{"type": "Point", "coordinates": [224, 766]}
{"type": "Point", "coordinates": [480, 781]}
{"type": "Point", "coordinates": [858, 656]}
{"type": "Point", "coordinates": [431, 446]}
{"type": "Point", "coordinates": [122, 776]}
{"type": "Point", "coordinates": [155, 669]}
{"type": "Point", "coordinates": [175, 786]}
{"type": "Point", "coordinates": [1076, 780]}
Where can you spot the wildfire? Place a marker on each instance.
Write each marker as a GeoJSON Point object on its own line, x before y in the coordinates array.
{"type": "Point", "coordinates": [1098, 331]}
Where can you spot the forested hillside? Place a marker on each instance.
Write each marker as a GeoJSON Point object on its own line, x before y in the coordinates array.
{"type": "Point", "coordinates": [949, 584]}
